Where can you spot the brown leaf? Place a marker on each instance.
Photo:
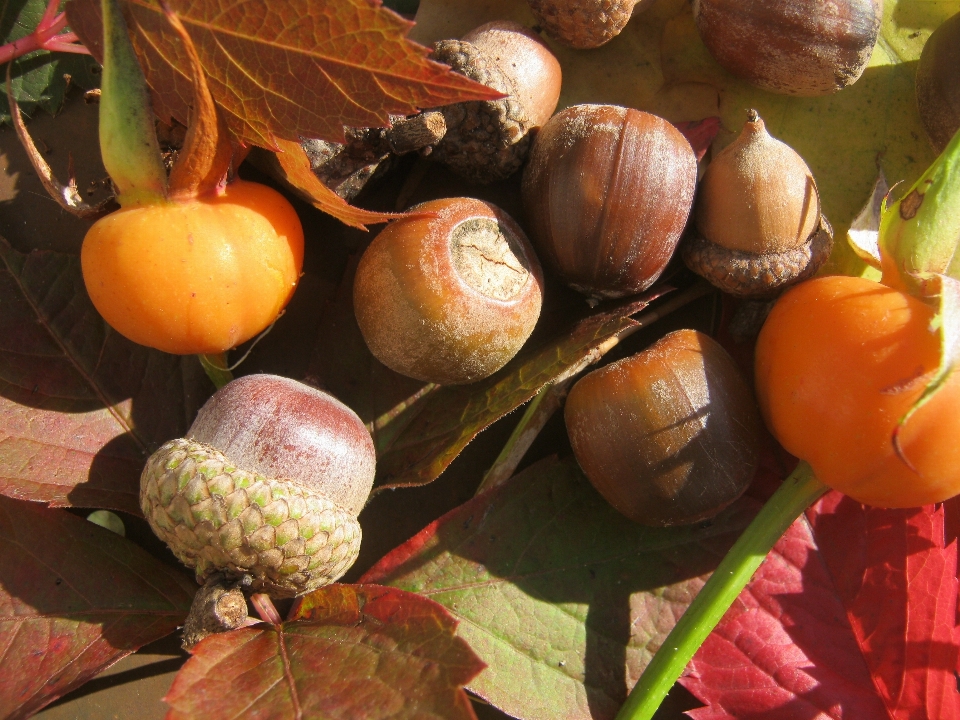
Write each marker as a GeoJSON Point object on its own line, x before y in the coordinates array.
{"type": "Point", "coordinates": [295, 166]}
{"type": "Point", "coordinates": [67, 195]}
{"type": "Point", "coordinates": [74, 599]}
{"type": "Point", "coordinates": [286, 70]}
{"type": "Point", "coordinates": [351, 652]}
{"type": "Point", "coordinates": [80, 406]}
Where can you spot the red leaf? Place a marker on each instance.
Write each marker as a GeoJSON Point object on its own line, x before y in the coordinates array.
{"type": "Point", "coordinates": [286, 70]}
{"type": "Point", "coordinates": [352, 652]}
{"type": "Point", "coordinates": [80, 406]}
{"type": "Point", "coordinates": [852, 616]}
{"type": "Point", "coordinates": [74, 599]}
{"type": "Point", "coordinates": [700, 134]}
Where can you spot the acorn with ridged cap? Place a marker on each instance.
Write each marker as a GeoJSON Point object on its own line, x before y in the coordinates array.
{"type": "Point", "coordinates": [266, 487]}
{"type": "Point", "coordinates": [488, 140]}
{"type": "Point", "coordinates": [757, 221]}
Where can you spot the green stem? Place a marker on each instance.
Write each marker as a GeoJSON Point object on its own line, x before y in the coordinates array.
{"type": "Point", "coordinates": [796, 494]}
{"type": "Point", "coordinates": [215, 365]}
{"type": "Point", "coordinates": [128, 137]}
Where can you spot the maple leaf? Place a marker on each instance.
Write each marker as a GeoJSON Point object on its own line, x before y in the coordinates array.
{"type": "Point", "coordinates": [852, 616]}
{"type": "Point", "coordinates": [285, 70]}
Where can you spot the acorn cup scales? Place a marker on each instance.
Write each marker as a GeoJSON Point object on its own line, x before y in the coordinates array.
{"type": "Point", "coordinates": [215, 516]}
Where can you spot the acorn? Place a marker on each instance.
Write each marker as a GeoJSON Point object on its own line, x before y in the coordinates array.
{"type": "Point", "coordinates": [583, 24]}
{"type": "Point", "coordinates": [489, 140]}
{"type": "Point", "coordinates": [670, 435]}
{"type": "Point", "coordinates": [450, 294]}
{"type": "Point", "coordinates": [607, 193]}
{"type": "Point", "coordinates": [265, 488]}
{"type": "Point", "coordinates": [794, 47]}
{"type": "Point", "coordinates": [758, 225]}
{"type": "Point", "coordinates": [938, 83]}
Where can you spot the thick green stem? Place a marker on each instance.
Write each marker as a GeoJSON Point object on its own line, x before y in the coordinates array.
{"type": "Point", "coordinates": [796, 494]}
{"type": "Point", "coordinates": [128, 137]}
{"type": "Point", "coordinates": [216, 368]}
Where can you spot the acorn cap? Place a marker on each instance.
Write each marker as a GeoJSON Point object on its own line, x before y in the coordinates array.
{"type": "Point", "coordinates": [527, 60]}
{"type": "Point", "coordinates": [747, 274]}
{"type": "Point", "coordinates": [582, 24]}
{"type": "Point", "coordinates": [487, 140]}
{"type": "Point", "coordinates": [215, 516]}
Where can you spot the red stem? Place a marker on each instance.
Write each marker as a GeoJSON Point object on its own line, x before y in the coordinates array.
{"type": "Point", "coordinates": [49, 15]}
{"type": "Point", "coordinates": [45, 37]}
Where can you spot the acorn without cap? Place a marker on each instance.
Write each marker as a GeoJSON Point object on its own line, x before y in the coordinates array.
{"type": "Point", "coordinates": [758, 225]}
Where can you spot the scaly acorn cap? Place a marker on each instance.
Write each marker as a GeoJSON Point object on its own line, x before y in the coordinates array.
{"type": "Point", "coordinates": [486, 140]}
{"type": "Point", "coordinates": [217, 517]}
{"type": "Point", "coordinates": [582, 24]}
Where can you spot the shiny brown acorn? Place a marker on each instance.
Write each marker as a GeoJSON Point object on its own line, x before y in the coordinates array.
{"type": "Point", "coordinates": [607, 192]}
{"type": "Point", "coordinates": [795, 47]}
{"type": "Point", "coordinates": [670, 435]}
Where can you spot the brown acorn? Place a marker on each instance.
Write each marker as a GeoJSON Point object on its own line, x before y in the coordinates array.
{"type": "Point", "coordinates": [583, 24]}
{"type": "Point", "coordinates": [450, 294]}
{"type": "Point", "coordinates": [607, 193]}
{"type": "Point", "coordinates": [938, 83]}
{"type": "Point", "coordinates": [794, 47]}
{"type": "Point", "coordinates": [266, 486]}
{"type": "Point", "coordinates": [758, 225]}
{"type": "Point", "coordinates": [670, 435]}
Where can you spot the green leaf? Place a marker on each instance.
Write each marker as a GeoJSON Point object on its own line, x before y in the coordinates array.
{"type": "Point", "coordinates": [564, 599]}
{"type": "Point", "coordinates": [38, 79]}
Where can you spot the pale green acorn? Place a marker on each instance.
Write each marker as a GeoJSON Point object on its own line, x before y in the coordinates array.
{"type": "Point", "coordinates": [267, 485]}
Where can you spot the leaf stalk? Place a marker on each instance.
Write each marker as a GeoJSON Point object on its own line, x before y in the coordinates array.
{"type": "Point", "coordinates": [800, 490]}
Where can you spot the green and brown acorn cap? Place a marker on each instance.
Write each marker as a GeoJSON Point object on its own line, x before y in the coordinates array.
{"type": "Point", "coordinates": [216, 517]}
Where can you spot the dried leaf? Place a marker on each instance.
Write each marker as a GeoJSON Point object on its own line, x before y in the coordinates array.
{"type": "Point", "coordinates": [295, 167]}
{"type": "Point", "coordinates": [282, 71]}
{"type": "Point", "coordinates": [563, 598]}
{"type": "Point", "coordinates": [851, 616]}
{"type": "Point", "coordinates": [67, 196]}
{"type": "Point", "coordinates": [74, 599]}
{"type": "Point", "coordinates": [863, 235]}
{"type": "Point", "coordinates": [80, 406]}
{"type": "Point", "coordinates": [351, 652]}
